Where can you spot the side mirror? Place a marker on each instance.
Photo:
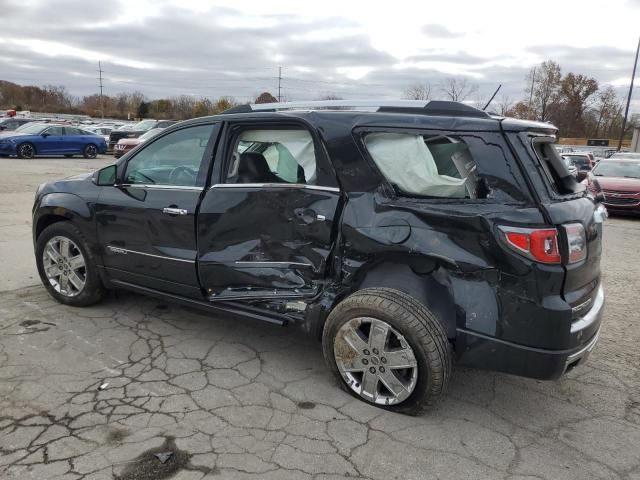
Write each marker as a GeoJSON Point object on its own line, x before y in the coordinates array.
{"type": "Point", "coordinates": [105, 177]}
{"type": "Point", "coordinates": [44, 134]}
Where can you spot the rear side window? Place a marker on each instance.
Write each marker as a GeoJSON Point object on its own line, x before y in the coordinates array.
{"type": "Point", "coordinates": [554, 168]}
{"type": "Point", "coordinates": [456, 166]}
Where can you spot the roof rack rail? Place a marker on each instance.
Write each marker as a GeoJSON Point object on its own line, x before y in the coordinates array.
{"type": "Point", "coordinates": [433, 107]}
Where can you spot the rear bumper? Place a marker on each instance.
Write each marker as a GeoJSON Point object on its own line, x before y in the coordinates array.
{"type": "Point", "coordinates": [482, 351]}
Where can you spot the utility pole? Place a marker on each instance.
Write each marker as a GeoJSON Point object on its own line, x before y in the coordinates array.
{"type": "Point", "coordinates": [279, 83]}
{"type": "Point", "coordinates": [626, 110]}
{"type": "Point", "coordinates": [100, 79]}
{"type": "Point", "coordinates": [533, 81]}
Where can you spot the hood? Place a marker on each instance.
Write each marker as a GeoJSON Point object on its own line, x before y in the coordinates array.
{"type": "Point", "coordinates": [621, 184]}
{"type": "Point", "coordinates": [10, 133]}
{"type": "Point", "coordinates": [79, 177]}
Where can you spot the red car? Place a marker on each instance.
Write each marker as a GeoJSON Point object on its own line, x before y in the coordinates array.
{"type": "Point", "coordinates": [619, 181]}
{"type": "Point", "coordinates": [126, 144]}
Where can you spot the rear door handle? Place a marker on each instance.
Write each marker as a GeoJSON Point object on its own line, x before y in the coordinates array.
{"type": "Point", "coordinates": [174, 211]}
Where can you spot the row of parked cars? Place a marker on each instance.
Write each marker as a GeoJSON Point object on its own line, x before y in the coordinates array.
{"type": "Point", "coordinates": [615, 180]}
{"type": "Point", "coordinates": [28, 137]}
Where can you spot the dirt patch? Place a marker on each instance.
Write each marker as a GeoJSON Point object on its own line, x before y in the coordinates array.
{"type": "Point", "coordinates": [116, 435]}
{"type": "Point", "coordinates": [306, 405]}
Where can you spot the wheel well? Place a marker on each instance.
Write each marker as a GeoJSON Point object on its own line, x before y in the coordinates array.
{"type": "Point", "coordinates": [431, 289]}
{"type": "Point", "coordinates": [46, 220]}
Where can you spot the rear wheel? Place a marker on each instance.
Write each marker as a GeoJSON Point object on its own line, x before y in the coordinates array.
{"type": "Point", "coordinates": [90, 151]}
{"type": "Point", "coordinates": [67, 267]}
{"type": "Point", "coordinates": [388, 349]}
{"type": "Point", "coordinates": [26, 150]}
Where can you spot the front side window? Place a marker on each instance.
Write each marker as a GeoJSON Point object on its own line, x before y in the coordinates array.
{"type": "Point", "coordinates": [273, 156]}
{"type": "Point", "coordinates": [174, 159]}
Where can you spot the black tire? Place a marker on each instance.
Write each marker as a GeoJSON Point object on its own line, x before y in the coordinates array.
{"type": "Point", "coordinates": [26, 150]}
{"type": "Point", "coordinates": [68, 155]}
{"type": "Point", "coordinates": [93, 290]}
{"type": "Point", "coordinates": [420, 328]}
{"type": "Point", "coordinates": [90, 151]}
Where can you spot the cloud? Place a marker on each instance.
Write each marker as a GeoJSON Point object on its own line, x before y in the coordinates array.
{"type": "Point", "coordinates": [439, 31]}
{"type": "Point", "coordinates": [164, 48]}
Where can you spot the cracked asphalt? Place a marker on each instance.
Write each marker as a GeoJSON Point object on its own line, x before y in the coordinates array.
{"type": "Point", "coordinates": [96, 392]}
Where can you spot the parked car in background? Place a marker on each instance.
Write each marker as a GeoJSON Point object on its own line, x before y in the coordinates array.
{"type": "Point", "coordinates": [103, 131]}
{"type": "Point", "coordinates": [625, 155]}
{"type": "Point", "coordinates": [406, 239]}
{"type": "Point", "coordinates": [584, 162]}
{"type": "Point", "coordinates": [125, 145]}
{"type": "Point", "coordinates": [136, 130]}
{"type": "Point", "coordinates": [618, 180]}
{"type": "Point", "coordinates": [51, 139]}
{"type": "Point", "coordinates": [11, 123]}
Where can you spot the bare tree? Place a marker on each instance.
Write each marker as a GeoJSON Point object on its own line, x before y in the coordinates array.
{"type": "Point", "coordinates": [504, 104]}
{"type": "Point", "coordinates": [457, 90]}
{"type": "Point", "coordinates": [607, 108]}
{"type": "Point", "coordinates": [418, 91]}
{"type": "Point", "coordinates": [545, 81]}
{"type": "Point", "coordinates": [330, 96]}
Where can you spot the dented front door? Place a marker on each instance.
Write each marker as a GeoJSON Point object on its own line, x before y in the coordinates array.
{"type": "Point", "coordinates": [265, 240]}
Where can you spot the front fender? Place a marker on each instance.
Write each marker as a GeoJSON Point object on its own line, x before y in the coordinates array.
{"type": "Point", "coordinates": [55, 207]}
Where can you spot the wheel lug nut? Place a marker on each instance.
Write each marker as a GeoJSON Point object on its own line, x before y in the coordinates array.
{"type": "Point", "coordinates": [375, 351]}
{"type": "Point", "coordinates": [365, 361]}
{"type": "Point", "coordinates": [372, 369]}
{"type": "Point", "coordinates": [381, 369]}
{"type": "Point", "coordinates": [383, 360]}
{"type": "Point", "coordinates": [365, 351]}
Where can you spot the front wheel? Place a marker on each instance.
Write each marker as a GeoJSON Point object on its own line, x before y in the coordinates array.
{"type": "Point", "coordinates": [90, 151]}
{"type": "Point", "coordinates": [67, 267]}
{"type": "Point", "coordinates": [388, 349]}
{"type": "Point", "coordinates": [26, 150]}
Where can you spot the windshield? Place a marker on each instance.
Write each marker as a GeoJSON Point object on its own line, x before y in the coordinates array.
{"type": "Point", "coordinates": [144, 125]}
{"type": "Point", "coordinates": [31, 128]}
{"type": "Point", "coordinates": [151, 133]}
{"type": "Point", "coordinates": [607, 168]}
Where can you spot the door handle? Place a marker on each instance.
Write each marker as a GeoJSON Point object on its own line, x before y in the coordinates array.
{"type": "Point", "coordinates": [174, 211]}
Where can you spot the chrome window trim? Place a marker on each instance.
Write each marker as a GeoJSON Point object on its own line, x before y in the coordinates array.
{"type": "Point", "coordinates": [159, 187]}
{"type": "Point", "coordinates": [277, 185]}
{"type": "Point", "coordinates": [126, 251]}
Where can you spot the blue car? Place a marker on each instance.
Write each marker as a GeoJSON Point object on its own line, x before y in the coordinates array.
{"type": "Point", "coordinates": [50, 139]}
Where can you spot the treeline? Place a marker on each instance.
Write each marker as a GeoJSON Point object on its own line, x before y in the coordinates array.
{"type": "Point", "coordinates": [56, 99]}
{"type": "Point", "coordinates": [574, 103]}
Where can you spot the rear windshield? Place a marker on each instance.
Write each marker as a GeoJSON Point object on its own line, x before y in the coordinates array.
{"type": "Point", "coordinates": [457, 166]}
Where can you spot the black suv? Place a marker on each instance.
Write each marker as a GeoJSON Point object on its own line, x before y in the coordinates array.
{"type": "Point", "coordinates": [406, 236]}
{"type": "Point", "coordinates": [134, 131]}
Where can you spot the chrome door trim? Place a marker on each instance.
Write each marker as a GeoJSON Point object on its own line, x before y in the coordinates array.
{"type": "Point", "coordinates": [241, 262]}
{"type": "Point", "coordinates": [276, 185]}
{"type": "Point", "coordinates": [159, 187]}
{"type": "Point", "coordinates": [125, 251]}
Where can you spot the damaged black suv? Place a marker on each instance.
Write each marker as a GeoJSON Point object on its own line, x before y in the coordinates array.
{"type": "Point", "coordinates": [407, 236]}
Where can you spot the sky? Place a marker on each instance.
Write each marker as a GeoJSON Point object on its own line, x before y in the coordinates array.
{"type": "Point", "coordinates": [352, 49]}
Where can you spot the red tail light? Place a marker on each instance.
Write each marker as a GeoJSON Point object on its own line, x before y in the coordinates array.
{"type": "Point", "coordinates": [539, 244]}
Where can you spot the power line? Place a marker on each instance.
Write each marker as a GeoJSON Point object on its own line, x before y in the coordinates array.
{"type": "Point", "coordinates": [626, 110]}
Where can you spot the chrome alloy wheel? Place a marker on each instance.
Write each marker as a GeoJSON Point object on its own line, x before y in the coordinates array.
{"type": "Point", "coordinates": [375, 360]}
{"type": "Point", "coordinates": [64, 266]}
{"type": "Point", "coordinates": [26, 150]}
